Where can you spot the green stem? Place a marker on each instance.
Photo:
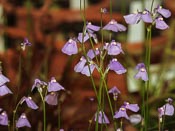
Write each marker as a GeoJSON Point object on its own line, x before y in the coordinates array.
{"type": "Point", "coordinates": [147, 83]}
{"type": "Point", "coordinates": [44, 110]}
{"type": "Point", "coordinates": [14, 116]}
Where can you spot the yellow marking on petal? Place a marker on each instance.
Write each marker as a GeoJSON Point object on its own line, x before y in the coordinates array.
{"type": "Point", "coordinates": [123, 109]}
{"type": "Point", "coordinates": [142, 69]}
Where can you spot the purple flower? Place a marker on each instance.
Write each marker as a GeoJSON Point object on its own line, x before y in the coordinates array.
{"type": "Point", "coordinates": [115, 91]}
{"type": "Point", "coordinates": [142, 73]}
{"type": "Point", "coordinates": [160, 24]}
{"type": "Point", "coordinates": [88, 69]}
{"type": "Point", "coordinates": [135, 119]}
{"type": "Point", "coordinates": [102, 118]}
{"type": "Point", "coordinates": [86, 37]}
{"type": "Point", "coordinates": [146, 16]}
{"type": "Point", "coordinates": [39, 84]}
{"type": "Point", "coordinates": [53, 85]}
{"type": "Point", "coordinates": [4, 90]}
{"type": "Point", "coordinates": [133, 18]}
{"type": "Point", "coordinates": [114, 48]}
{"type": "Point", "coordinates": [25, 43]}
{"type": "Point", "coordinates": [121, 113]}
{"type": "Point", "coordinates": [114, 26]}
{"type": "Point", "coordinates": [167, 109]}
{"type": "Point", "coordinates": [30, 103]}
{"type": "Point", "coordinates": [3, 118]}
{"type": "Point", "coordinates": [70, 47]}
{"type": "Point", "coordinates": [91, 28]}
{"type": "Point", "coordinates": [3, 79]}
{"type": "Point", "coordinates": [52, 98]}
{"type": "Point", "coordinates": [22, 121]}
{"type": "Point", "coordinates": [132, 107]}
{"type": "Point", "coordinates": [80, 65]}
{"type": "Point", "coordinates": [92, 53]}
{"type": "Point", "coordinates": [164, 12]}
{"type": "Point", "coordinates": [116, 66]}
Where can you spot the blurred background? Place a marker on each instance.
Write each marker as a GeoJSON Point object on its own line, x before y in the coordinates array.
{"type": "Point", "coordinates": [48, 24]}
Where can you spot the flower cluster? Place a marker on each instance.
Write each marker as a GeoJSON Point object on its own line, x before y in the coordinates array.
{"type": "Point", "coordinates": [88, 62]}
{"type": "Point", "coordinates": [52, 88]}
{"type": "Point", "coordinates": [154, 18]}
{"type": "Point", "coordinates": [3, 88]}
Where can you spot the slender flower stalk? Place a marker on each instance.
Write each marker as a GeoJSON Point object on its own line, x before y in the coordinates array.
{"type": "Point", "coordinates": [14, 116]}
{"type": "Point", "coordinates": [44, 109]}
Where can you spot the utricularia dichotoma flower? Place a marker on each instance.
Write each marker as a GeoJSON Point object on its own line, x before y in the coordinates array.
{"type": "Point", "coordinates": [115, 91]}
{"type": "Point", "coordinates": [3, 88]}
{"type": "Point", "coordinates": [88, 33]}
{"type": "Point", "coordinates": [53, 85]}
{"type": "Point", "coordinates": [101, 117]}
{"type": "Point", "coordinates": [115, 65]}
{"type": "Point", "coordinates": [30, 103]}
{"type": "Point", "coordinates": [39, 84]}
{"type": "Point", "coordinates": [23, 121]}
{"type": "Point", "coordinates": [52, 98]}
{"type": "Point", "coordinates": [122, 111]}
{"type": "Point", "coordinates": [154, 18]}
{"type": "Point", "coordinates": [70, 47]}
{"type": "Point", "coordinates": [114, 26]}
{"type": "Point", "coordinates": [142, 73]}
{"type": "Point", "coordinates": [113, 48]}
{"type": "Point", "coordinates": [25, 43]}
{"type": "Point", "coordinates": [3, 118]}
{"type": "Point", "coordinates": [167, 109]}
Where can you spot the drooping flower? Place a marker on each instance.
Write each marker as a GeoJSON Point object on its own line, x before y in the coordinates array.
{"type": "Point", "coordinates": [114, 26]}
{"type": "Point", "coordinates": [3, 118]}
{"type": "Point", "coordinates": [92, 53]}
{"type": "Point", "coordinates": [84, 37]}
{"type": "Point", "coordinates": [121, 113]}
{"type": "Point", "coordinates": [142, 73]}
{"type": "Point", "coordinates": [135, 118]}
{"type": "Point", "coordinates": [88, 69]}
{"type": "Point", "coordinates": [167, 109]}
{"type": "Point", "coordinates": [4, 90]}
{"type": "Point", "coordinates": [70, 47]}
{"type": "Point", "coordinates": [39, 84]}
{"type": "Point", "coordinates": [115, 91]}
{"type": "Point", "coordinates": [92, 28]}
{"type": "Point", "coordinates": [132, 107]}
{"type": "Point", "coordinates": [52, 98]}
{"type": "Point", "coordinates": [164, 12]}
{"type": "Point", "coordinates": [80, 65]}
{"type": "Point", "coordinates": [114, 48]}
{"type": "Point", "coordinates": [3, 79]}
{"type": "Point", "coordinates": [146, 16]}
{"type": "Point", "coordinates": [133, 18]}
{"type": "Point", "coordinates": [160, 24]}
{"type": "Point", "coordinates": [102, 118]}
{"type": "Point", "coordinates": [53, 85]}
{"type": "Point", "coordinates": [116, 66]}
{"type": "Point", "coordinates": [23, 121]}
{"type": "Point", "coordinates": [25, 43]}
{"type": "Point", "coordinates": [30, 103]}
